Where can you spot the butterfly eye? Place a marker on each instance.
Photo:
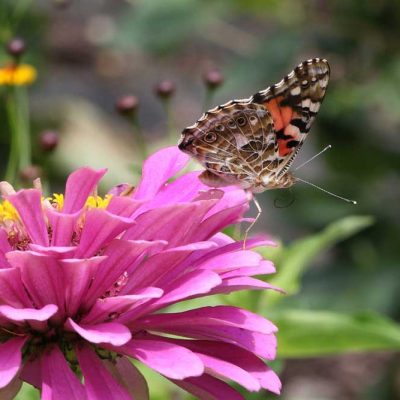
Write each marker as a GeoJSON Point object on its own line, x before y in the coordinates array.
{"type": "Point", "coordinates": [210, 137]}
{"type": "Point", "coordinates": [231, 125]}
{"type": "Point", "coordinates": [219, 128]}
{"type": "Point", "coordinates": [241, 121]}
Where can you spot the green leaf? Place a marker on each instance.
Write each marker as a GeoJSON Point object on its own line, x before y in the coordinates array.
{"type": "Point", "coordinates": [293, 261]}
{"type": "Point", "coordinates": [318, 333]}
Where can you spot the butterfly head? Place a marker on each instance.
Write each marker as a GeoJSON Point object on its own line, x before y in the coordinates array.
{"type": "Point", "coordinates": [271, 181]}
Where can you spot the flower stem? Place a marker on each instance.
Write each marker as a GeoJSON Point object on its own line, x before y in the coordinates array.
{"type": "Point", "coordinates": [139, 139]}
{"type": "Point", "coordinates": [20, 140]}
{"type": "Point", "coordinates": [22, 101]}
{"type": "Point", "coordinates": [171, 133]}
{"type": "Point", "coordinates": [12, 165]}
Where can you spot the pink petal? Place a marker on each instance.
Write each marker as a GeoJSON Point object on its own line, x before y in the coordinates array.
{"type": "Point", "coordinates": [218, 221]}
{"type": "Point", "coordinates": [243, 283]}
{"type": "Point", "coordinates": [58, 380]}
{"type": "Point", "coordinates": [209, 388]}
{"type": "Point", "coordinates": [62, 226]}
{"type": "Point", "coordinates": [182, 190]}
{"type": "Point", "coordinates": [123, 206]}
{"type": "Point", "coordinates": [154, 268]}
{"type": "Point", "coordinates": [174, 223]}
{"type": "Point", "coordinates": [265, 267]}
{"type": "Point", "coordinates": [28, 314]}
{"type": "Point", "coordinates": [4, 248]}
{"type": "Point", "coordinates": [223, 369]}
{"type": "Point", "coordinates": [108, 332]}
{"type": "Point", "coordinates": [12, 291]}
{"type": "Point", "coordinates": [235, 355]}
{"type": "Point", "coordinates": [231, 261]}
{"type": "Point", "coordinates": [233, 197]}
{"type": "Point", "coordinates": [41, 275]}
{"type": "Point", "coordinates": [78, 276]}
{"type": "Point", "coordinates": [80, 185]}
{"type": "Point", "coordinates": [32, 372]}
{"type": "Point", "coordinates": [104, 308]}
{"type": "Point", "coordinates": [175, 362]}
{"type": "Point", "coordinates": [54, 251]}
{"type": "Point", "coordinates": [10, 359]}
{"type": "Point", "coordinates": [99, 383]}
{"type": "Point", "coordinates": [190, 285]}
{"type": "Point", "coordinates": [218, 316]}
{"type": "Point", "coordinates": [28, 203]}
{"type": "Point", "coordinates": [128, 376]}
{"type": "Point", "coordinates": [157, 169]}
{"type": "Point", "coordinates": [121, 255]}
{"type": "Point", "coordinates": [99, 229]}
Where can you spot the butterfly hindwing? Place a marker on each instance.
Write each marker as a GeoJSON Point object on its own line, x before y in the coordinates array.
{"type": "Point", "coordinates": [293, 104]}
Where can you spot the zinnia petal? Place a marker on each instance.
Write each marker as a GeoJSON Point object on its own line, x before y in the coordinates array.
{"type": "Point", "coordinates": [99, 383]}
{"type": "Point", "coordinates": [175, 362]}
{"type": "Point", "coordinates": [58, 381]}
{"type": "Point", "coordinates": [10, 359]}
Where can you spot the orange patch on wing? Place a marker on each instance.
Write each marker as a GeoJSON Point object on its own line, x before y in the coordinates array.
{"type": "Point", "coordinates": [280, 115]}
{"type": "Point", "coordinates": [283, 149]}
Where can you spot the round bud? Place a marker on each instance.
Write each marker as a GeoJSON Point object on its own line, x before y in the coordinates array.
{"type": "Point", "coordinates": [127, 105]}
{"type": "Point", "coordinates": [48, 140]}
{"type": "Point", "coordinates": [16, 47]}
{"type": "Point", "coordinates": [30, 173]}
{"type": "Point", "coordinates": [165, 89]}
{"type": "Point", "coordinates": [213, 78]}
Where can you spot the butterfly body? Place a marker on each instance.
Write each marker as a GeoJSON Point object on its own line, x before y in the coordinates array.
{"type": "Point", "coordinates": [253, 142]}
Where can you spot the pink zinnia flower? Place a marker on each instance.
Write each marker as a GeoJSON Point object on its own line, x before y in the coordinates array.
{"type": "Point", "coordinates": [83, 280]}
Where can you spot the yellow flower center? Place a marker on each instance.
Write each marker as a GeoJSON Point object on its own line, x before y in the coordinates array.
{"type": "Point", "coordinates": [9, 213]}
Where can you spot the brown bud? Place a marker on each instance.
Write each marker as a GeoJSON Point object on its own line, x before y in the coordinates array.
{"type": "Point", "coordinates": [16, 47]}
{"type": "Point", "coordinates": [213, 78]}
{"type": "Point", "coordinates": [30, 173]}
{"type": "Point", "coordinates": [62, 3]}
{"type": "Point", "coordinates": [48, 140]}
{"type": "Point", "coordinates": [127, 105]}
{"type": "Point", "coordinates": [165, 89]}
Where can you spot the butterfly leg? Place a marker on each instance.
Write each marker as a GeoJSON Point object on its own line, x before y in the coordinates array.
{"type": "Point", "coordinates": [246, 232]}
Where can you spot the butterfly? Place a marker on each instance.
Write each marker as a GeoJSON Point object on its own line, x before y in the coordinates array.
{"type": "Point", "coordinates": [252, 142]}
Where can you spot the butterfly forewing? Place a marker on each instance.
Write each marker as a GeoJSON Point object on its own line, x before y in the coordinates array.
{"type": "Point", "coordinates": [294, 103]}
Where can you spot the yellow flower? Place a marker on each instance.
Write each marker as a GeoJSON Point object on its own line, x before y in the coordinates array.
{"type": "Point", "coordinates": [17, 75]}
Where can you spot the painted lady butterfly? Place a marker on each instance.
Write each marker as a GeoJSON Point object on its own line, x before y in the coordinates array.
{"type": "Point", "coordinates": [253, 142]}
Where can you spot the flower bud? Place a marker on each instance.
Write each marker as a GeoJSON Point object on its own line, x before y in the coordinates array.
{"type": "Point", "coordinates": [127, 105]}
{"type": "Point", "coordinates": [165, 89]}
{"type": "Point", "coordinates": [213, 78]}
{"type": "Point", "coordinates": [16, 47]}
{"type": "Point", "coordinates": [48, 140]}
{"type": "Point", "coordinates": [30, 173]}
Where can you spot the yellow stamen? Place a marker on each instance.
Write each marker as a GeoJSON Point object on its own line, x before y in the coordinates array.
{"type": "Point", "coordinates": [9, 213]}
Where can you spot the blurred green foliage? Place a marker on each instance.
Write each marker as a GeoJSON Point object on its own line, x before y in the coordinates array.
{"type": "Point", "coordinates": [337, 292]}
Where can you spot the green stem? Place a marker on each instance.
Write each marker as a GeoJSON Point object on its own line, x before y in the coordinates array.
{"type": "Point", "coordinates": [209, 97]}
{"type": "Point", "coordinates": [13, 161]}
{"type": "Point", "coordinates": [22, 100]}
{"type": "Point", "coordinates": [20, 141]}
{"type": "Point", "coordinates": [139, 138]}
{"type": "Point", "coordinates": [171, 132]}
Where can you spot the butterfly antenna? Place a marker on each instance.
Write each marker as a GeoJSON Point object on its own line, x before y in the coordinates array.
{"type": "Point", "coordinates": [314, 157]}
{"type": "Point", "coordinates": [326, 191]}
{"type": "Point", "coordinates": [246, 232]}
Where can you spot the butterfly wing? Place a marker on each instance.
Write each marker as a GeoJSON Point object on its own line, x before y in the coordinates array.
{"type": "Point", "coordinates": [293, 104]}
{"type": "Point", "coordinates": [235, 142]}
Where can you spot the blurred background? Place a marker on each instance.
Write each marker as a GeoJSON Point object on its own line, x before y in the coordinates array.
{"type": "Point", "coordinates": [179, 56]}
